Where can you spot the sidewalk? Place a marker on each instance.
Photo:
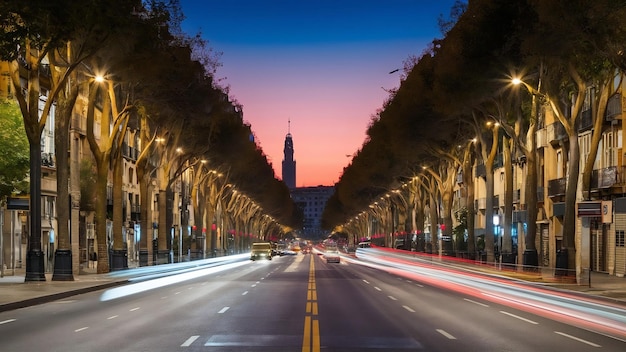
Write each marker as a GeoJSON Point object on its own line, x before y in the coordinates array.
{"type": "Point", "coordinates": [15, 293]}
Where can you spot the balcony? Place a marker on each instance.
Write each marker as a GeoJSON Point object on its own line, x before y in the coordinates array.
{"type": "Point", "coordinates": [557, 187]}
{"type": "Point", "coordinates": [516, 195]}
{"type": "Point", "coordinates": [585, 122]}
{"type": "Point", "coordinates": [614, 108]}
{"type": "Point", "coordinates": [78, 124]}
{"type": "Point", "coordinates": [480, 170]}
{"type": "Point", "coordinates": [555, 133]}
{"type": "Point", "coordinates": [519, 216]}
{"type": "Point", "coordinates": [129, 152]}
{"type": "Point", "coordinates": [604, 178]}
{"type": "Point", "coordinates": [481, 203]}
{"type": "Point", "coordinates": [542, 138]}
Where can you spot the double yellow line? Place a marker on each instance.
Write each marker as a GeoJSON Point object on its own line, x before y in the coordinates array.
{"type": "Point", "coordinates": [311, 338]}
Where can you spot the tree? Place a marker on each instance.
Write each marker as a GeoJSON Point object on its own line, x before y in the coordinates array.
{"type": "Point", "coordinates": [575, 43]}
{"type": "Point", "coordinates": [35, 38]}
{"type": "Point", "coordinates": [14, 164]}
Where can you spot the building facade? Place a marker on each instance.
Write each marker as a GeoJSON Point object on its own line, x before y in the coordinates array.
{"type": "Point", "coordinates": [312, 201]}
{"type": "Point", "coordinates": [600, 208]}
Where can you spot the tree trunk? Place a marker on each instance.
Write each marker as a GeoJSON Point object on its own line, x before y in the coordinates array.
{"type": "Point", "coordinates": [119, 254]}
{"type": "Point", "coordinates": [63, 252]}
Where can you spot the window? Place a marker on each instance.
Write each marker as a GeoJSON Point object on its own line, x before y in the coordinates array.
{"type": "Point", "coordinates": [619, 238]}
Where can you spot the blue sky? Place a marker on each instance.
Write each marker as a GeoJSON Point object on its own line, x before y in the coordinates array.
{"type": "Point", "coordinates": [324, 65]}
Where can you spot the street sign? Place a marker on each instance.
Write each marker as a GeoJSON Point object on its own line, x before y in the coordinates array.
{"type": "Point", "coordinates": [14, 203]}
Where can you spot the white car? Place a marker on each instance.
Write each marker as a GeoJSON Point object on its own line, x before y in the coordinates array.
{"type": "Point", "coordinates": [331, 255]}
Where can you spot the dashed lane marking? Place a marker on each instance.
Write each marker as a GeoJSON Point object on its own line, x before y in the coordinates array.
{"type": "Point", "coordinates": [446, 334]}
{"type": "Point", "coordinates": [520, 318]}
{"type": "Point", "coordinates": [189, 341]}
{"type": "Point", "coordinates": [577, 339]}
{"type": "Point", "coordinates": [475, 302]}
{"type": "Point", "coordinates": [409, 309]}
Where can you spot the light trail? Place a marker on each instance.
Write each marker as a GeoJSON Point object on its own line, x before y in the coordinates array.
{"type": "Point", "coordinates": [587, 313]}
{"type": "Point", "coordinates": [145, 285]}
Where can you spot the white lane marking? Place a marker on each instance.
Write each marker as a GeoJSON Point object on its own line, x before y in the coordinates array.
{"type": "Point", "coordinates": [367, 282]}
{"type": "Point", "coordinates": [377, 288]}
{"type": "Point", "coordinates": [577, 339]}
{"type": "Point", "coordinates": [189, 341]}
{"type": "Point", "coordinates": [392, 298]}
{"type": "Point", "coordinates": [7, 321]}
{"type": "Point", "coordinates": [223, 310]}
{"type": "Point", "coordinates": [245, 293]}
{"type": "Point", "coordinates": [177, 293]}
{"type": "Point", "coordinates": [81, 329]}
{"type": "Point", "coordinates": [446, 334]}
{"type": "Point", "coordinates": [518, 317]}
{"type": "Point", "coordinates": [190, 288]}
{"type": "Point", "coordinates": [419, 285]}
{"type": "Point", "coordinates": [112, 317]}
{"type": "Point", "coordinates": [134, 309]}
{"type": "Point", "coordinates": [475, 302]}
{"type": "Point", "coordinates": [253, 285]}
{"type": "Point", "coordinates": [409, 309]}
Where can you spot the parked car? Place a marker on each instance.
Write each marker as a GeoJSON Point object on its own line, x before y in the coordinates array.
{"type": "Point", "coordinates": [261, 250]}
{"type": "Point", "coordinates": [365, 244]}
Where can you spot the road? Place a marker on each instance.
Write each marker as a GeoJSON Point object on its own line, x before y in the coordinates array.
{"type": "Point", "coordinates": [302, 303]}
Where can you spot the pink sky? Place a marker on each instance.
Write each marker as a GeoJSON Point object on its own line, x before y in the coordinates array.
{"type": "Point", "coordinates": [325, 71]}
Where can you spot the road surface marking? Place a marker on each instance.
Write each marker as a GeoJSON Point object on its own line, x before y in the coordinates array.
{"type": "Point", "coordinates": [134, 309]}
{"type": "Point", "coordinates": [112, 317]}
{"type": "Point", "coordinates": [520, 318]}
{"type": "Point", "coordinates": [367, 282]}
{"type": "Point", "coordinates": [189, 341]}
{"type": "Point", "coordinates": [81, 329]}
{"type": "Point", "coordinates": [475, 302]}
{"type": "Point", "coordinates": [392, 298]}
{"type": "Point", "coordinates": [7, 321]}
{"type": "Point", "coordinates": [245, 293]}
{"type": "Point", "coordinates": [446, 334]}
{"type": "Point", "coordinates": [419, 285]}
{"type": "Point", "coordinates": [577, 339]}
{"type": "Point", "coordinates": [377, 288]}
{"type": "Point", "coordinates": [409, 309]}
{"type": "Point", "coordinates": [311, 336]}
{"type": "Point", "coordinates": [223, 310]}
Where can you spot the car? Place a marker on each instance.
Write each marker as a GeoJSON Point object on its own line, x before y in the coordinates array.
{"type": "Point", "coordinates": [365, 244]}
{"type": "Point", "coordinates": [261, 250]}
{"type": "Point", "coordinates": [331, 254]}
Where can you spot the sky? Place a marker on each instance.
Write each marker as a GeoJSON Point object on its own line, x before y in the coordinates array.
{"type": "Point", "coordinates": [318, 69]}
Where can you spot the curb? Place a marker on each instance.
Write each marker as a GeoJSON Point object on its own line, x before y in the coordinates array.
{"type": "Point", "coordinates": [56, 296]}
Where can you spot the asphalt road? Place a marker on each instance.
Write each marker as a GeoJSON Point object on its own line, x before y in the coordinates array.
{"type": "Point", "coordinates": [296, 303]}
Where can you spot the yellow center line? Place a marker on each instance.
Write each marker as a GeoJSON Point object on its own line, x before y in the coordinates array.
{"type": "Point", "coordinates": [311, 337]}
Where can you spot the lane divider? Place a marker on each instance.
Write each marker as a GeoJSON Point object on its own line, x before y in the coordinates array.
{"type": "Point", "coordinates": [311, 336]}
